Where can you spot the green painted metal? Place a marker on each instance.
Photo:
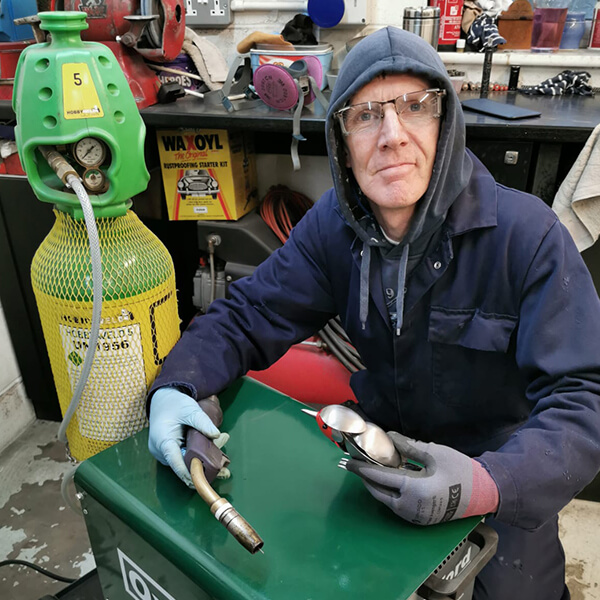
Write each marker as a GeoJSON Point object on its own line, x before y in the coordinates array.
{"type": "Point", "coordinates": [324, 534]}
{"type": "Point", "coordinates": [49, 75]}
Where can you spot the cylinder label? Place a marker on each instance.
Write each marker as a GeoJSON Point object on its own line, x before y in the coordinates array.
{"type": "Point", "coordinates": [80, 98]}
{"type": "Point", "coordinates": [118, 362]}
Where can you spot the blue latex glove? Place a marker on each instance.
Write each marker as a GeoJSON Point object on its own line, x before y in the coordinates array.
{"type": "Point", "coordinates": [171, 411]}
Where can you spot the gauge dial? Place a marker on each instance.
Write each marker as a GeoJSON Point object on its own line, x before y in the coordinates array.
{"type": "Point", "coordinates": [95, 180]}
{"type": "Point", "coordinates": [89, 152]}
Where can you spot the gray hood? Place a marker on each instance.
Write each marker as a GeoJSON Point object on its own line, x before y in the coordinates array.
{"type": "Point", "coordinates": [392, 50]}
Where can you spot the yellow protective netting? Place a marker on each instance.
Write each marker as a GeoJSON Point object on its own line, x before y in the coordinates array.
{"type": "Point", "coordinates": [139, 323]}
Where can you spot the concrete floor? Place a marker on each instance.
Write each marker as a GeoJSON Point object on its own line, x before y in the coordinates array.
{"type": "Point", "coordinates": [36, 524]}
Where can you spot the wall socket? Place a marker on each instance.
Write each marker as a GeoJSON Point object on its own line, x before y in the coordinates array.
{"type": "Point", "coordinates": [207, 13]}
{"type": "Point", "coordinates": [355, 13]}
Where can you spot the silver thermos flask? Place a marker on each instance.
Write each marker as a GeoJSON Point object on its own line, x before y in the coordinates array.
{"type": "Point", "coordinates": [424, 22]}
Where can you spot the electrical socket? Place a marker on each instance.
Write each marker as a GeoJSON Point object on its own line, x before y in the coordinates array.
{"type": "Point", "coordinates": [207, 13]}
{"type": "Point", "coordinates": [355, 13]}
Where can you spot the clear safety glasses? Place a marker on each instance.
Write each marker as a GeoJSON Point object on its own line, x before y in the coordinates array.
{"type": "Point", "coordinates": [413, 108]}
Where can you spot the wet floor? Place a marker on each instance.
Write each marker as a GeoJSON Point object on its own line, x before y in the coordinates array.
{"type": "Point", "coordinates": [37, 525]}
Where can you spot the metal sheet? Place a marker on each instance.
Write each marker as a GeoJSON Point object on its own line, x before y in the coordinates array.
{"type": "Point", "coordinates": [324, 534]}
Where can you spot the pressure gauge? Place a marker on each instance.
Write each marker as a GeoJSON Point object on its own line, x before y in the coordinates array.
{"type": "Point", "coordinates": [89, 152]}
{"type": "Point", "coordinates": [95, 180]}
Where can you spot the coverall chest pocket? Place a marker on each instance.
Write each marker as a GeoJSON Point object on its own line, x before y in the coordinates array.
{"type": "Point", "coordinates": [471, 357]}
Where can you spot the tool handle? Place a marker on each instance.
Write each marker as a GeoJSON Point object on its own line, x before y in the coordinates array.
{"type": "Point", "coordinates": [212, 408]}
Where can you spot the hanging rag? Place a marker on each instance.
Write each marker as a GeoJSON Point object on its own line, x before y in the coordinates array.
{"type": "Point", "coordinates": [567, 82]}
{"type": "Point", "coordinates": [483, 34]}
{"type": "Point", "coordinates": [208, 59]}
{"type": "Point", "coordinates": [577, 202]}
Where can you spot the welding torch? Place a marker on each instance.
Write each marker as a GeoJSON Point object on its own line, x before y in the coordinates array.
{"type": "Point", "coordinates": [204, 461]}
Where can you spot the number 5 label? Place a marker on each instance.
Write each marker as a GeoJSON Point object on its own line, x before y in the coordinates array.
{"type": "Point", "coordinates": [80, 98]}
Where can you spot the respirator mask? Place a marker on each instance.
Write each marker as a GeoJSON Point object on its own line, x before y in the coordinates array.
{"type": "Point", "coordinates": [291, 88]}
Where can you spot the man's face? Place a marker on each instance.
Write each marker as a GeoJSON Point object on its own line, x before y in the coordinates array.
{"type": "Point", "coordinates": [393, 162]}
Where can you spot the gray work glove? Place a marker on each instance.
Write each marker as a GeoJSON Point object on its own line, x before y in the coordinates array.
{"type": "Point", "coordinates": [441, 491]}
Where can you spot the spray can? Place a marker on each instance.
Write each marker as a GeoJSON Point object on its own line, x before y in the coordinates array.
{"type": "Point", "coordinates": [450, 22]}
{"type": "Point", "coordinates": [72, 97]}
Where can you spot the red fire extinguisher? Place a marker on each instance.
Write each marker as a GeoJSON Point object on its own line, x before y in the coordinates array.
{"type": "Point", "coordinates": [450, 21]}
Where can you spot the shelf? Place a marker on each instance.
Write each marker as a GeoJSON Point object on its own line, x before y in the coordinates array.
{"type": "Point", "coordinates": [568, 59]}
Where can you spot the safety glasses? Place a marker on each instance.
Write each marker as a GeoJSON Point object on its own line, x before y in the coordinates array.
{"type": "Point", "coordinates": [413, 109]}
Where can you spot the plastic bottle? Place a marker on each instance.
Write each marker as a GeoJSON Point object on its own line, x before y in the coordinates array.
{"type": "Point", "coordinates": [549, 18]}
{"type": "Point", "coordinates": [573, 31]}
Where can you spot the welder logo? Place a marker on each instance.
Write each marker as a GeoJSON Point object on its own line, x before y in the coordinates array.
{"type": "Point", "coordinates": [138, 584]}
{"type": "Point", "coordinates": [95, 9]}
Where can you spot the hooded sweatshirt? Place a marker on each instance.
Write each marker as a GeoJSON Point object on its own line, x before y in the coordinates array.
{"type": "Point", "coordinates": [394, 51]}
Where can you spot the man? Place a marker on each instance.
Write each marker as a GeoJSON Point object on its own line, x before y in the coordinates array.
{"type": "Point", "coordinates": [468, 302]}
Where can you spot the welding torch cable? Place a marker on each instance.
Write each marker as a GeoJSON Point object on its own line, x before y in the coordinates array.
{"type": "Point", "coordinates": [330, 343]}
{"type": "Point", "coordinates": [339, 330]}
{"type": "Point", "coordinates": [342, 349]}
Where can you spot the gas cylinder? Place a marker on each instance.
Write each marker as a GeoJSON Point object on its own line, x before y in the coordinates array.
{"type": "Point", "coordinates": [72, 96]}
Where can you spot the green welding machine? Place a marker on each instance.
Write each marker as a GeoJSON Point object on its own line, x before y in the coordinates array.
{"type": "Point", "coordinates": [324, 535]}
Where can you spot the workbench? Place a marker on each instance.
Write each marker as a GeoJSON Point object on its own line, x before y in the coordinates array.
{"type": "Point", "coordinates": [546, 145]}
{"type": "Point", "coordinates": [324, 535]}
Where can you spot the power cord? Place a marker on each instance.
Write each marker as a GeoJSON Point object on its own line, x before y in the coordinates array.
{"type": "Point", "coordinates": [24, 563]}
{"type": "Point", "coordinates": [281, 209]}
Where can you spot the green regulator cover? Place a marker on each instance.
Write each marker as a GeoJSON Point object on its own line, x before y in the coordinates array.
{"type": "Point", "coordinates": [65, 90]}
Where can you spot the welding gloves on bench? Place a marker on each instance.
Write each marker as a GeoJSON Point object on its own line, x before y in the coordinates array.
{"type": "Point", "coordinates": [449, 486]}
{"type": "Point", "coordinates": [171, 413]}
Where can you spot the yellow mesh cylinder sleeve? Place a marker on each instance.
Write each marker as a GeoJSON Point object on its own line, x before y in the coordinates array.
{"type": "Point", "coordinates": [139, 324]}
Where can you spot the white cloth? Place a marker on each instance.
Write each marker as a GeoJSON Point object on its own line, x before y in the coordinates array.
{"type": "Point", "coordinates": [208, 59]}
{"type": "Point", "coordinates": [577, 202]}
{"type": "Point", "coordinates": [492, 8]}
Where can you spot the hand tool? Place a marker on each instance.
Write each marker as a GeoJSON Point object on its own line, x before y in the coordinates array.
{"type": "Point", "coordinates": [362, 440]}
{"type": "Point", "coordinates": [205, 460]}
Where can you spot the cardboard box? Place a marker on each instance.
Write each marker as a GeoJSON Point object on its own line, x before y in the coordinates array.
{"type": "Point", "coordinates": [208, 174]}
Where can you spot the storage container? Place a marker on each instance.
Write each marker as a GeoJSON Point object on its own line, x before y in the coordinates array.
{"type": "Point", "coordinates": [271, 54]}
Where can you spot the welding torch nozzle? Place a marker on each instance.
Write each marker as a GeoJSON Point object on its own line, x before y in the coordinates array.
{"type": "Point", "coordinates": [224, 512]}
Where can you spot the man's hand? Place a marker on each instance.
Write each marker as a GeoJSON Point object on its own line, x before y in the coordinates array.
{"type": "Point", "coordinates": [449, 486]}
{"type": "Point", "coordinates": [170, 412]}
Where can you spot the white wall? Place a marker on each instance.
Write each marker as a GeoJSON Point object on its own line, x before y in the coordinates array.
{"type": "Point", "coordinates": [379, 14]}
{"type": "Point", "coordinates": [16, 411]}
